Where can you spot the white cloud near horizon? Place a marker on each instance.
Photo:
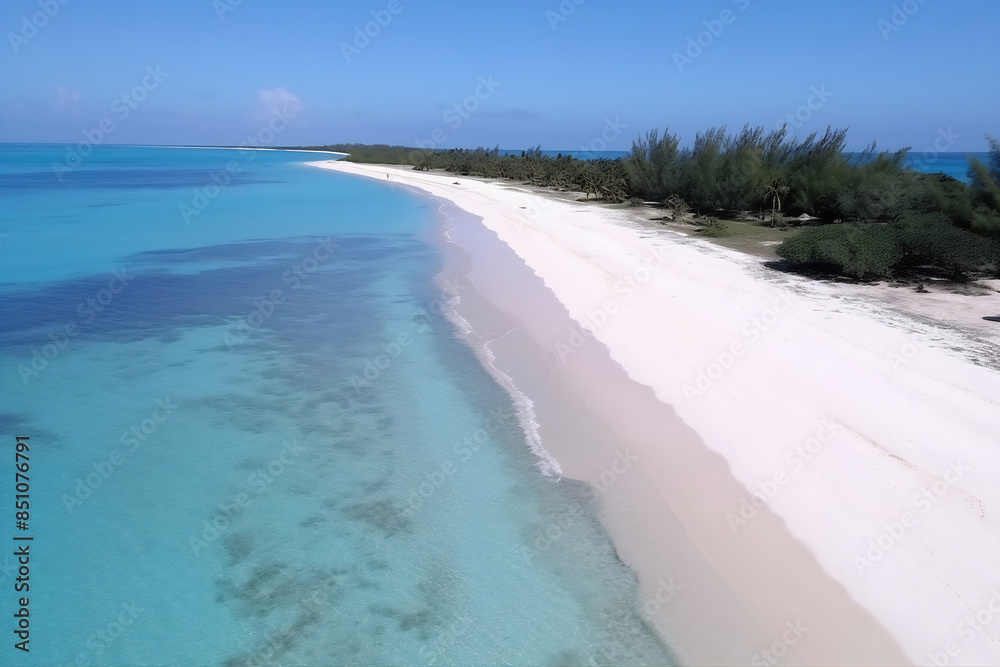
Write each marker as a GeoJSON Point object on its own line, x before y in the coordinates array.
{"type": "Point", "coordinates": [66, 100]}
{"type": "Point", "coordinates": [278, 99]}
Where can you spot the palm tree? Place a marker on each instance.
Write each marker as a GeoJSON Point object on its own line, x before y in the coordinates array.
{"type": "Point", "coordinates": [775, 192]}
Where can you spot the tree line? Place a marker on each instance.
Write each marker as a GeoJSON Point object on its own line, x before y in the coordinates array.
{"type": "Point", "coordinates": [878, 217]}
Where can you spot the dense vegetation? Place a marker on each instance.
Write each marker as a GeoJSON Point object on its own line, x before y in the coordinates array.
{"type": "Point", "coordinates": [935, 224]}
{"type": "Point", "coordinates": [604, 179]}
{"type": "Point", "coordinates": [877, 217]}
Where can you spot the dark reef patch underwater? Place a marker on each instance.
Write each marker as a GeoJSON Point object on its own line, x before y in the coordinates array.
{"type": "Point", "coordinates": [210, 453]}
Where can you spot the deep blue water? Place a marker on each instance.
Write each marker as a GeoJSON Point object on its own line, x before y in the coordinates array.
{"type": "Point", "coordinates": [255, 440]}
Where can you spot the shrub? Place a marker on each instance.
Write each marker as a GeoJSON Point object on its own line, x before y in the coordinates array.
{"type": "Point", "coordinates": [932, 239]}
{"type": "Point", "coordinates": [775, 221]}
{"type": "Point", "coordinates": [680, 210]}
{"type": "Point", "coordinates": [859, 251]}
{"type": "Point", "coordinates": [713, 227]}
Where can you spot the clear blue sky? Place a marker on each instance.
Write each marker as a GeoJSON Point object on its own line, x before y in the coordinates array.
{"type": "Point", "coordinates": [558, 80]}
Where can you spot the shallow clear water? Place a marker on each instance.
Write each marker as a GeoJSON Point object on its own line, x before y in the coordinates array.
{"type": "Point", "coordinates": [256, 440]}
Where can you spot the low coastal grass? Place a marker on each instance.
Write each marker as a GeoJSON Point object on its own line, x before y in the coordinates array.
{"type": "Point", "coordinates": [751, 237]}
{"type": "Point", "coordinates": [713, 228]}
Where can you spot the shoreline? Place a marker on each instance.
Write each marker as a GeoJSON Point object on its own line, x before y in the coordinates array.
{"type": "Point", "coordinates": [596, 430]}
{"type": "Point", "coordinates": [825, 403]}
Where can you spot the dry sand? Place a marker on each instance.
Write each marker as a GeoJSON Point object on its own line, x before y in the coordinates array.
{"type": "Point", "coordinates": [795, 467]}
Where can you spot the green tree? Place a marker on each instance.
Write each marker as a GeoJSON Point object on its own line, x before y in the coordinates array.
{"type": "Point", "coordinates": [773, 193]}
{"type": "Point", "coordinates": [986, 191]}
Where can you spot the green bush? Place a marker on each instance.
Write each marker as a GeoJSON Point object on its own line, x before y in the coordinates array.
{"type": "Point", "coordinates": [931, 239]}
{"type": "Point", "coordinates": [713, 227]}
{"type": "Point", "coordinates": [879, 251]}
{"type": "Point", "coordinates": [859, 251]}
{"type": "Point", "coordinates": [775, 221]}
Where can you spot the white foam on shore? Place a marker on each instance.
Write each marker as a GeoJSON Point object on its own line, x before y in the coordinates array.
{"type": "Point", "coordinates": [526, 416]}
{"type": "Point", "coordinates": [524, 407]}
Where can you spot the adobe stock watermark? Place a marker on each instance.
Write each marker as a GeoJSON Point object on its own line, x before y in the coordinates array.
{"type": "Point", "coordinates": [612, 131]}
{"type": "Point", "coordinates": [945, 139]}
{"type": "Point", "coordinates": [803, 453]}
{"type": "Point", "coordinates": [578, 511]}
{"type": "Point", "coordinates": [752, 331]}
{"type": "Point", "coordinates": [664, 595]}
{"type": "Point", "coordinates": [456, 115]}
{"type": "Point", "coordinates": [30, 26]}
{"type": "Point", "coordinates": [363, 36]}
{"type": "Point", "coordinates": [699, 43]}
{"type": "Point", "coordinates": [101, 640]}
{"type": "Point", "coordinates": [463, 451]}
{"type": "Point", "coordinates": [418, 322]}
{"type": "Point", "coordinates": [907, 352]}
{"type": "Point", "coordinates": [625, 288]}
{"type": "Point", "coordinates": [265, 307]}
{"type": "Point", "coordinates": [223, 7]}
{"type": "Point", "coordinates": [900, 16]}
{"type": "Point", "coordinates": [804, 113]}
{"type": "Point", "coordinates": [223, 178]}
{"type": "Point", "coordinates": [256, 484]}
{"type": "Point", "coordinates": [893, 531]}
{"type": "Point", "coordinates": [619, 649]}
{"type": "Point", "coordinates": [121, 107]}
{"type": "Point", "coordinates": [546, 537]}
{"type": "Point", "coordinates": [88, 310]}
{"type": "Point", "coordinates": [772, 655]}
{"type": "Point", "coordinates": [562, 13]}
{"type": "Point", "coordinates": [967, 630]}
{"type": "Point", "coordinates": [133, 438]}
{"type": "Point", "coordinates": [621, 464]}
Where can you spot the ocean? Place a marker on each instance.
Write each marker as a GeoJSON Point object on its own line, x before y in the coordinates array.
{"type": "Point", "coordinates": [255, 437]}
{"type": "Point", "coordinates": [955, 165]}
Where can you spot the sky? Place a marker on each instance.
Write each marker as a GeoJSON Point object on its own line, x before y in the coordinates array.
{"type": "Point", "coordinates": [563, 74]}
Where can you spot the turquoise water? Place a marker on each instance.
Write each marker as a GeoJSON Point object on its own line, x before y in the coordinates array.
{"type": "Point", "coordinates": [955, 165]}
{"type": "Point", "coordinates": [255, 440]}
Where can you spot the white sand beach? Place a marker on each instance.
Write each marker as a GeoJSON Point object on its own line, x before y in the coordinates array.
{"type": "Point", "coordinates": [810, 471]}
